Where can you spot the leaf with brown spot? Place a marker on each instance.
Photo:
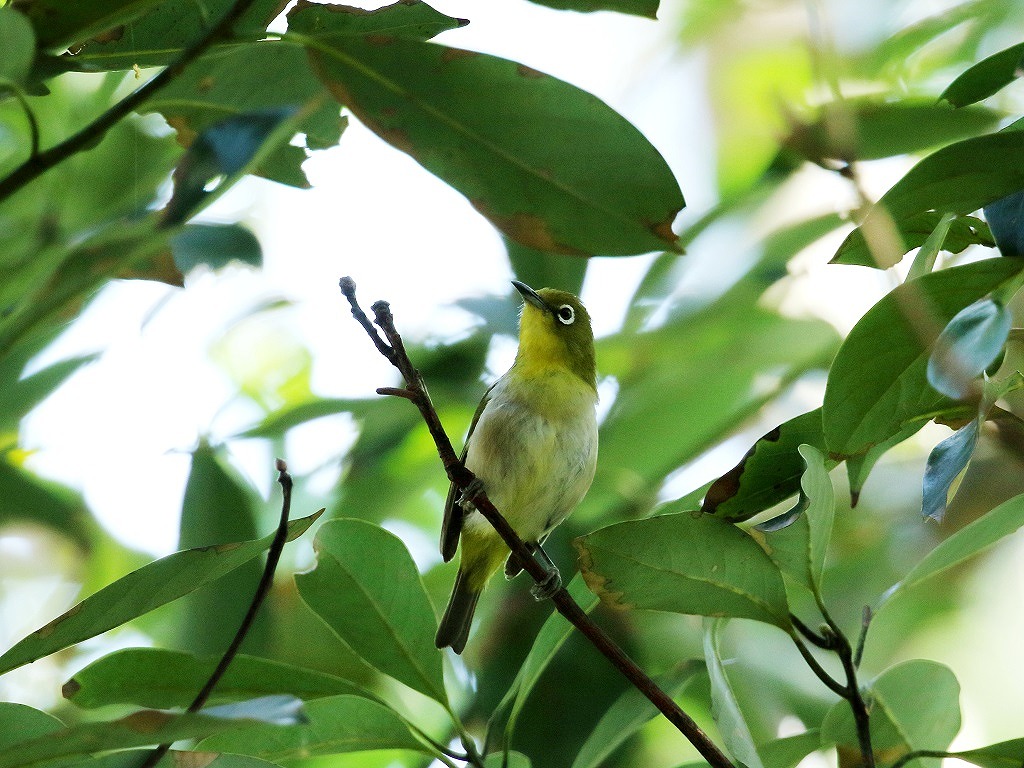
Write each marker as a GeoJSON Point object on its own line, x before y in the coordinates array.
{"type": "Point", "coordinates": [769, 472]}
{"type": "Point", "coordinates": [552, 166]}
{"type": "Point", "coordinates": [139, 592]}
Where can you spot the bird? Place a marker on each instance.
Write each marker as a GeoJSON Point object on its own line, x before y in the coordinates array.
{"type": "Point", "coordinates": [532, 445]}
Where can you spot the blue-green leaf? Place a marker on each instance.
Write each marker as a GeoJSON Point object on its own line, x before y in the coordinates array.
{"type": "Point", "coordinates": [967, 346]}
{"type": "Point", "coordinates": [946, 463]}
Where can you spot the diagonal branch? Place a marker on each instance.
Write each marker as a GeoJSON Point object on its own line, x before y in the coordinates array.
{"type": "Point", "coordinates": [262, 590]}
{"type": "Point", "coordinates": [40, 162]}
{"type": "Point", "coordinates": [392, 348]}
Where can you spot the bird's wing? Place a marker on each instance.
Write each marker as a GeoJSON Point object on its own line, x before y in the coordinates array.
{"type": "Point", "coordinates": [451, 527]}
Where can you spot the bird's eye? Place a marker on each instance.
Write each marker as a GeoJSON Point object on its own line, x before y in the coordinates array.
{"type": "Point", "coordinates": [565, 315]}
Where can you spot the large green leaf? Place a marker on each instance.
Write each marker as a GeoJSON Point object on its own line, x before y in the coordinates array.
{"type": "Point", "coordinates": [337, 725]}
{"type": "Point", "coordinates": [986, 77]}
{"type": "Point", "coordinates": [366, 588]}
{"type": "Point", "coordinates": [518, 159]}
{"type": "Point", "coordinates": [915, 706]}
{"type": "Point", "coordinates": [133, 758]}
{"type": "Point", "coordinates": [160, 679]}
{"type": "Point", "coordinates": [683, 563]}
{"type": "Point", "coordinates": [878, 379]}
{"type": "Point", "coordinates": [139, 592]}
{"type": "Point", "coordinates": [1005, 754]}
{"type": "Point", "coordinates": [406, 18]}
{"type": "Point", "coordinates": [914, 231]}
{"type": "Point", "coordinates": [959, 178]}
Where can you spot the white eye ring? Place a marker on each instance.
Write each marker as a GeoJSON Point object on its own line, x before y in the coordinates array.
{"type": "Point", "coordinates": [565, 315]}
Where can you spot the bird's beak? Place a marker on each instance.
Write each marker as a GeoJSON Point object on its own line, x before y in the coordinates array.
{"type": "Point", "coordinates": [531, 296]}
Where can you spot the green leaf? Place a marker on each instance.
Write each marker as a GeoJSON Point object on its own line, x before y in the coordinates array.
{"type": "Point", "coordinates": [19, 722]}
{"type": "Point", "coordinates": [732, 723]}
{"type": "Point", "coordinates": [23, 395]}
{"type": "Point", "coordinates": [139, 729]}
{"type": "Point", "coordinates": [685, 564]}
{"type": "Point", "coordinates": [915, 231]}
{"type": "Point", "coordinates": [215, 245]}
{"type": "Point", "coordinates": [406, 18]}
{"type": "Point", "coordinates": [959, 178]}
{"type": "Point", "coordinates": [988, 76]}
{"type": "Point", "coordinates": [799, 548]}
{"type": "Point", "coordinates": [924, 261]}
{"type": "Point", "coordinates": [969, 344]}
{"type": "Point", "coordinates": [139, 592]}
{"type": "Point", "coordinates": [769, 473]}
{"type": "Point", "coordinates": [58, 24]}
{"type": "Point", "coordinates": [645, 8]}
{"type": "Point", "coordinates": [1005, 754]}
{"type": "Point", "coordinates": [611, 195]}
{"type": "Point", "coordinates": [869, 128]}
{"type": "Point", "coordinates": [969, 541]}
{"type": "Point", "coordinates": [225, 148]}
{"type": "Point", "coordinates": [507, 760]}
{"type": "Point", "coordinates": [366, 588]}
{"type": "Point", "coordinates": [337, 725]}
{"type": "Point", "coordinates": [630, 712]}
{"type": "Point", "coordinates": [871, 397]}
{"type": "Point", "coordinates": [158, 37]}
{"type": "Point", "coordinates": [915, 706]}
{"type": "Point", "coordinates": [160, 679]}
{"type": "Point", "coordinates": [18, 43]}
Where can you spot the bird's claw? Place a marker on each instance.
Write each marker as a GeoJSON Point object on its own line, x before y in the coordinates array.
{"type": "Point", "coordinates": [475, 486]}
{"type": "Point", "coordinates": [546, 588]}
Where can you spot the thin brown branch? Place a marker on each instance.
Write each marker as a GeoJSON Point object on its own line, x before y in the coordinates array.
{"type": "Point", "coordinates": [858, 706]}
{"type": "Point", "coordinates": [394, 350]}
{"type": "Point", "coordinates": [262, 590]}
{"type": "Point", "coordinates": [40, 162]}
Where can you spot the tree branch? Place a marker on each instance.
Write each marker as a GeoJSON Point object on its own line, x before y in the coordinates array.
{"type": "Point", "coordinates": [392, 348]}
{"type": "Point", "coordinates": [262, 590]}
{"type": "Point", "coordinates": [40, 162]}
{"type": "Point", "coordinates": [859, 707]}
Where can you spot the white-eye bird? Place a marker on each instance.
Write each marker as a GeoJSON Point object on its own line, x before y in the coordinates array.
{"type": "Point", "coordinates": [533, 446]}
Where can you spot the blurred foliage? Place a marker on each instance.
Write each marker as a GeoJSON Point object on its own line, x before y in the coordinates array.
{"type": "Point", "coordinates": [772, 554]}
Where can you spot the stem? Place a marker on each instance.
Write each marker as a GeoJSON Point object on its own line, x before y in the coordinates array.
{"type": "Point", "coordinates": [900, 762]}
{"type": "Point", "coordinates": [40, 162]}
{"type": "Point", "coordinates": [821, 641]}
{"type": "Point", "coordinates": [830, 682]}
{"type": "Point", "coordinates": [262, 590]}
{"type": "Point", "coordinates": [415, 390]}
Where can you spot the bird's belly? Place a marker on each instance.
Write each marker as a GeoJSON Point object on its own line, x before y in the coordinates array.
{"type": "Point", "coordinates": [535, 467]}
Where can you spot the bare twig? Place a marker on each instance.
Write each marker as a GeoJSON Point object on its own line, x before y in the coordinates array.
{"type": "Point", "coordinates": [392, 348]}
{"type": "Point", "coordinates": [40, 162]}
{"type": "Point", "coordinates": [262, 590]}
{"type": "Point", "coordinates": [853, 695]}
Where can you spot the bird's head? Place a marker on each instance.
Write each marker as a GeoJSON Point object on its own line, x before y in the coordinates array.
{"type": "Point", "coordinates": [555, 332]}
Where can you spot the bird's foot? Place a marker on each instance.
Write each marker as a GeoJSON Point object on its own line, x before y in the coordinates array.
{"type": "Point", "coordinates": [475, 486]}
{"type": "Point", "coordinates": [546, 588]}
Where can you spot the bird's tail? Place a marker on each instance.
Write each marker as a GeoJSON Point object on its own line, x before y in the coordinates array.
{"type": "Point", "coordinates": [458, 616]}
